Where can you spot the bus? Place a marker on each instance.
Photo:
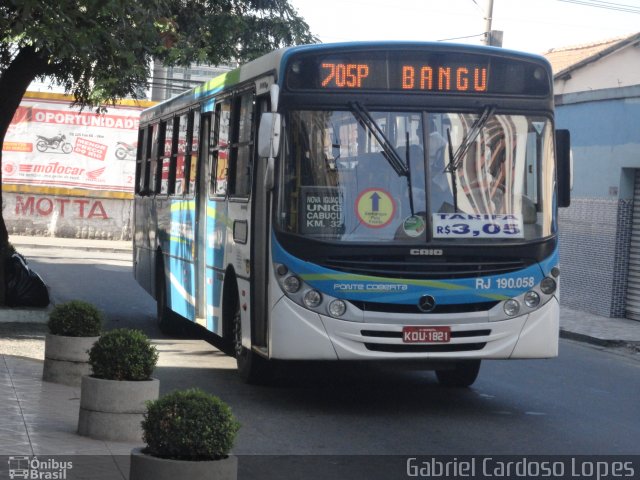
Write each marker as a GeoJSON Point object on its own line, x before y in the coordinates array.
{"type": "Point", "coordinates": [374, 201]}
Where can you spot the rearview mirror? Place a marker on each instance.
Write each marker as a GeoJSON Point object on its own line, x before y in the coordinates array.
{"type": "Point", "coordinates": [269, 135]}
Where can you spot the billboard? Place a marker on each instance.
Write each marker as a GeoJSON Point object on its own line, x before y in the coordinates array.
{"type": "Point", "coordinates": [51, 144]}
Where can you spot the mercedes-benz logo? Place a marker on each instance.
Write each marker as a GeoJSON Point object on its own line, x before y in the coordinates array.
{"type": "Point", "coordinates": [426, 303]}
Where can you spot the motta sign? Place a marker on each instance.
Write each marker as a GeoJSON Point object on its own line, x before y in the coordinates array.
{"type": "Point", "coordinates": [81, 208]}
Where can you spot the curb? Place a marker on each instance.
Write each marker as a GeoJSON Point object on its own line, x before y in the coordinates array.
{"type": "Point", "coordinates": [601, 342]}
{"type": "Point", "coordinates": [73, 247]}
{"type": "Point", "coordinates": [25, 314]}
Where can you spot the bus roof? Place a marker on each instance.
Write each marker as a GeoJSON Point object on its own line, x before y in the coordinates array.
{"type": "Point", "coordinates": [274, 62]}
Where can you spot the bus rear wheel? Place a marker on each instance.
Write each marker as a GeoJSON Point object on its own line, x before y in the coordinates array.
{"type": "Point", "coordinates": [462, 375]}
{"type": "Point", "coordinates": [253, 368]}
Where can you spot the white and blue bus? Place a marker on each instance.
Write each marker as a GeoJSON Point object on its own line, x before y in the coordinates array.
{"type": "Point", "coordinates": [391, 202]}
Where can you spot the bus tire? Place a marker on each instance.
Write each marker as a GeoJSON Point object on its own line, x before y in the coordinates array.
{"type": "Point", "coordinates": [252, 368]}
{"type": "Point", "coordinates": [462, 375]}
{"type": "Point", "coordinates": [168, 321]}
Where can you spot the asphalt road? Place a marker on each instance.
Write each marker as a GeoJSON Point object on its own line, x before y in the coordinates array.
{"type": "Point", "coordinates": [583, 403]}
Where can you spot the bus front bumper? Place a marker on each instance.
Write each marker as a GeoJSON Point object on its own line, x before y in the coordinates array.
{"type": "Point", "coordinates": [298, 334]}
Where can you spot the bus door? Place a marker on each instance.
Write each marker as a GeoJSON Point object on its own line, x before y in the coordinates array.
{"type": "Point", "coordinates": [239, 219]}
{"type": "Point", "coordinates": [248, 211]}
{"type": "Point", "coordinates": [213, 206]}
{"type": "Point", "coordinates": [261, 235]}
{"type": "Point", "coordinates": [199, 152]}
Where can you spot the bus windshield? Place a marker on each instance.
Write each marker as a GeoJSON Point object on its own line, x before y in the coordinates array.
{"type": "Point", "coordinates": [386, 176]}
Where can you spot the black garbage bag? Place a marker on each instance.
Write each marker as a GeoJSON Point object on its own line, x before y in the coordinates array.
{"type": "Point", "coordinates": [25, 288]}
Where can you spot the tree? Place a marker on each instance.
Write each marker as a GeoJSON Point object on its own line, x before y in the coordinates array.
{"type": "Point", "coordinates": [100, 50]}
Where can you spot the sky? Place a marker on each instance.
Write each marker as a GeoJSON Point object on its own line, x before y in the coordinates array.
{"type": "Point", "coordinates": [534, 26]}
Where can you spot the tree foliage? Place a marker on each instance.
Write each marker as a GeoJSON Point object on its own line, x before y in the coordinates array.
{"type": "Point", "coordinates": [100, 50]}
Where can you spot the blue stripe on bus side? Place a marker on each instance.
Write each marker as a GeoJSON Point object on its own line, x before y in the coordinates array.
{"type": "Point", "coordinates": [215, 248]}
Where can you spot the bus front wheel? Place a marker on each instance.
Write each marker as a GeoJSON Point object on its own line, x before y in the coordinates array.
{"type": "Point", "coordinates": [253, 368]}
{"type": "Point", "coordinates": [463, 374]}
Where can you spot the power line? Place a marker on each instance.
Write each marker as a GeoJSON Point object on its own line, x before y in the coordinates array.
{"type": "Point", "coordinates": [460, 38]}
{"type": "Point", "coordinates": [479, 7]}
{"type": "Point", "coordinates": [617, 7]}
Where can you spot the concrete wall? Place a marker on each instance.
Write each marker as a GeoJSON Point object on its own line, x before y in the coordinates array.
{"type": "Point", "coordinates": [66, 216]}
{"type": "Point", "coordinates": [595, 231]}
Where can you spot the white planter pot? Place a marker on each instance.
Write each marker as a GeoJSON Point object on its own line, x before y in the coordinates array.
{"type": "Point", "coordinates": [146, 467]}
{"type": "Point", "coordinates": [66, 359]}
{"type": "Point", "coordinates": [113, 409]}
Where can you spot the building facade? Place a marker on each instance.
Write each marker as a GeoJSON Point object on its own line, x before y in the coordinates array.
{"type": "Point", "coordinates": [67, 172]}
{"type": "Point", "coordinates": [168, 82]}
{"type": "Point", "coordinates": [597, 90]}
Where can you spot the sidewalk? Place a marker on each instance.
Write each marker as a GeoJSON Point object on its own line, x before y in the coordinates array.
{"type": "Point", "coordinates": [40, 418]}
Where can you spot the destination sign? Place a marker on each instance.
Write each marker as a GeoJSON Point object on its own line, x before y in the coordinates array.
{"type": "Point", "coordinates": [440, 72]}
{"type": "Point", "coordinates": [443, 78]}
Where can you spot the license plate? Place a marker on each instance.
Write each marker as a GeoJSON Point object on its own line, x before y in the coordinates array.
{"type": "Point", "coordinates": [426, 334]}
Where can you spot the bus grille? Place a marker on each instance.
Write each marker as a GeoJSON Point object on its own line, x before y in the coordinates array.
{"type": "Point", "coordinates": [413, 308]}
{"type": "Point", "coordinates": [424, 268]}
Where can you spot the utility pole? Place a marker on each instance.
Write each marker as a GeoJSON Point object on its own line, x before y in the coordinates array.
{"type": "Point", "coordinates": [491, 37]}
{"type": "Point", "coordinates": [487, 25]}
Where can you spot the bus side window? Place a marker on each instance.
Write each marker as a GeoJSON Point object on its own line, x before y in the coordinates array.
{"type": "Point", "coordinates": [181, 155]}
{"type": "Point", "coordinates": [157, 159]}
{"type": "Point", "coordinates": [140, 156]}
{"type": "Point", "coordinates": [146, 173]}
{"type": "Point", "coordinates": [219, 149]}
{"type": "Point", "coordinates": [193, 139]}
{"type": "Point", "coordinates": [167, 144]}
{"type": "Point", "coordinates": [152, 161]}
{"type": "Point", "coordinates": [242, 142]}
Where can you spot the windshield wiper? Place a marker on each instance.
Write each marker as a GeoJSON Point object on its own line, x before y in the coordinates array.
{"type": "Point", "coordinates": [388, 152]}
{"type": "Point", "coordinates": [455, 159]}
{"type": "Point", "coordinates": [401, 168]}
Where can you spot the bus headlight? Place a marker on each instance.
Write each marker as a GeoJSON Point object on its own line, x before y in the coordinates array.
{"type": "Point", "coordinates": [337, 308]}
{"type": "Point", "coordinates": [291, 284]}
{"type": "Point", "coordinates": [511, 307]}
{"type": "Point", "coordinates": [548, 285]}
{"type": "Point", "coordinates": [312, 298]}
{"type": "Point", "coordinates": [531, 299]}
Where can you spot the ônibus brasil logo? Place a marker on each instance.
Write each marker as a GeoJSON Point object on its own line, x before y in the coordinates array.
{"type": "Point", "coordinates": [33, 468]}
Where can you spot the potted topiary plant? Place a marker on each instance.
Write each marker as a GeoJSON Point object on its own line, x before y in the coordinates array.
{"type": "Point", "coordinates": [189, 434]}
{"type": "Point", "coordinates": [113, 399]}
{"type": "Point", "coordinates": [73, 329]}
